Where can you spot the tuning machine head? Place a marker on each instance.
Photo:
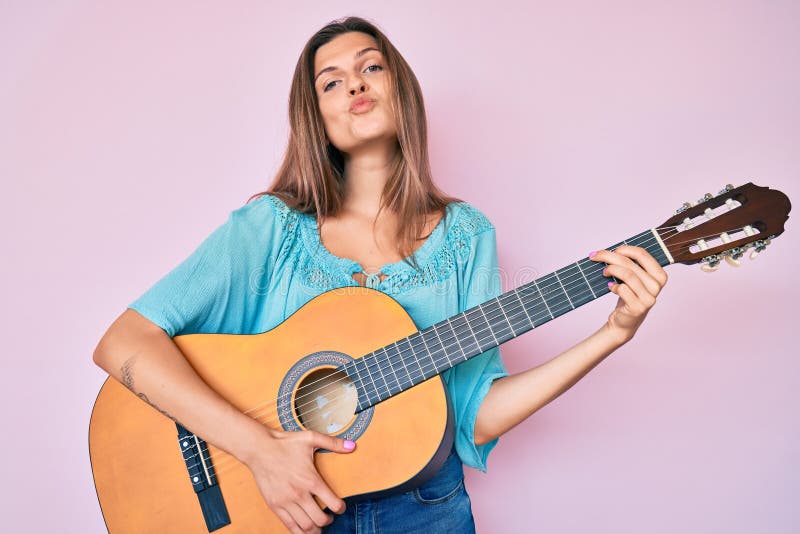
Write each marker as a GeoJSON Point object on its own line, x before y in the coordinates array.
{"type": "Point", "coordinates": [759, 247]}
{"type": "Point", "coordinates": [728, 187]}
{"type": "Point", "coordinates": [710, 263]}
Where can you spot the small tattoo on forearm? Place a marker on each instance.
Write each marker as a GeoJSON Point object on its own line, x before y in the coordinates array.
{"type": "Point", "coordinates": [127, 380]}
{"type": "Point", "coordinates": [144, 398]}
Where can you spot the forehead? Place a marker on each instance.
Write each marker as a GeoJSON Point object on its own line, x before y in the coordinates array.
{"type": "Point", "coordinates": [341, 49]}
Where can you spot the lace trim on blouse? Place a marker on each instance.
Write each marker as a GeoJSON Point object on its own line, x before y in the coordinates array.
{"type": "Point", "coordinates": [437, 258]}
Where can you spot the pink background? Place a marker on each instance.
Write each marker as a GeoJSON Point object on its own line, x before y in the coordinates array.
{"type": "Point", "coordinates": [130, 130]}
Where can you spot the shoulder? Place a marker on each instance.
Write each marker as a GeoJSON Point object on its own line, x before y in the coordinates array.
{"type": "Point", "coordinates": [468, 220]}
{"type": "Point", "coordinates": [264, 211]}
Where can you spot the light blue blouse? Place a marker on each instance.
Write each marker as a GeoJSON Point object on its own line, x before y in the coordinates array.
{"type": "Point", "coordinates": [267, 260]}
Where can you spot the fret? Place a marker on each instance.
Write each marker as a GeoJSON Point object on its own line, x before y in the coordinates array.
{"type": "Point", "coordinates": [555, 297]}
{"type": "Point", "coordinates": [453, 323]}
{"type": "Point", "coordinates": [365, 362]}
{"type": "Point", "coordinates": [391, 364]}
{"type": "Point", "coordinates": [405, 368]}
{"type": "Point", "coordinates": [488, 324]}
{"type": "Point", "coordinates": [426, 373]}
{"type": "Point", "coordinates": [403, 350]}
{"type": "Point", "coordinates": [516, 293]}
{"type": "Point", "coordinates": [564, 289]}
{"type": "Point", "coordinates": [433, 358]}
{"type": "Point", "coordinates": [441, 344]}
{"type": "Point", "coordinates": [502, 330]}
{"type": "Point", "coordinates": [499, 304]}
{"type": "Point", "coordinates": [578, 265]}
{"type": "Point", "coordinates": [379, 370]}
{"type": "Point", "coordinates": [539, 291]}
{"type": "Point", "coordinates": [359, 383]}
{"type": "Point", "coordinates": [576, 291]}
{"type": "Point", "coordinates": [598, 282]}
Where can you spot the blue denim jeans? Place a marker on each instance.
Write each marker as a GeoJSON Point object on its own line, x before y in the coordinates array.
{"type": "Point", "coordinates": [439, 505]}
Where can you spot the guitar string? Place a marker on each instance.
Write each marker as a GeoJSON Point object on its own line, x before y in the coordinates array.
{"type": "Point", "coordinates": [664, 238]}
{"type": "Point", "coordinates": [577, 276]}
{"type": "Point", "coordinates": [446, 342]}
{"type": "Point", "coordinates": [544, 288]}
{"type": "Point", "coordinates": [222, 465]}
{"type": "Point", "coordinates": [377, 362]}
{"type": "Point", "coordinates": [412, 346]}
{"type": "Point", "coordinates": [225, 464]}
{"type": "Point", "coordinates": [650, 239]}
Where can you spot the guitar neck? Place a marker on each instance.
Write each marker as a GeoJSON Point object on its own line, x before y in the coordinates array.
{"type": "Point", "coordinates": [407, 362]}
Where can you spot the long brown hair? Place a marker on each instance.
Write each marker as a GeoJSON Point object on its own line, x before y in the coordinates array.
{"type": "Point", "coordinates": [311, 177]}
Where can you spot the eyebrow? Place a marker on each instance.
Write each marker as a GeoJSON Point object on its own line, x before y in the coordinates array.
{"type": "Point", "coordinates": [358, 55]}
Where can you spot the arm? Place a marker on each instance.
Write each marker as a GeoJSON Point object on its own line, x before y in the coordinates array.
{"type": "Point", "coordinates": [512, 399]}
{"type": "Point", "coordinates": [138, 353]}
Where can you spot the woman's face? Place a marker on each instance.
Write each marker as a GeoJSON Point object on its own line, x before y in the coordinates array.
{"type": "Point", "coordinates": [347, 69]}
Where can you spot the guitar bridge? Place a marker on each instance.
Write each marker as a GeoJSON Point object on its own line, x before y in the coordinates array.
{"type": "Point", "coordinates": [203, 479]}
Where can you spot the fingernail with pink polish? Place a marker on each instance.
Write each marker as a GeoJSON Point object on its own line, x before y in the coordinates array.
{"type": "Point", "coordinates": [610, 285]}
{"type": "Point", "coordinates": [591, 254]}
{"type": "Point", "coordinates": [349, 445]}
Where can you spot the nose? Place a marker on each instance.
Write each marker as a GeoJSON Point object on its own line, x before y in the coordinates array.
{"type": "Point", "coordinates": [357, 85]}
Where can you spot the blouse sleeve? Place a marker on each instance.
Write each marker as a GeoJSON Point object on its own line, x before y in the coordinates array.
{"type": "Point", "coordinates": [471, 379]}
{"type": "Point", "coordinates": [214, 289]}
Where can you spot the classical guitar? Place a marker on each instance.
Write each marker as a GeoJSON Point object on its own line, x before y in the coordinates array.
{"type": "Point", "coordinates": [367, 374]}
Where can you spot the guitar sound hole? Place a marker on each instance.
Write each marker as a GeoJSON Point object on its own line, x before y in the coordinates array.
{"type": "Point", "coordinates": [325, 401]}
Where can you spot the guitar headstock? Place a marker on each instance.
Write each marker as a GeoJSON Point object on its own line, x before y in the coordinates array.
{"type": "Point", "coordinates": [725, 225]}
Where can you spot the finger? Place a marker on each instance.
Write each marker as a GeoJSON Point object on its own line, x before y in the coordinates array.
{"type": "Point", "coordinates": [300, 516]}
{"type": "Point", "coordinates": [324, 441]}
{"type": "Point", "coordinates": [628, 297]}
{"type": "Point", "coordinates": [614, 258]}
{"type": "Point", "coordinates": [647, 262]}
{"type": "Point", "coordinates": [313, 510]}
{"type": "Point", "coordinates": [643, 296]}
{"type": "Point", "coordinates": [329, 499]}
{"type": "Point", "coordinates": [288, 520]}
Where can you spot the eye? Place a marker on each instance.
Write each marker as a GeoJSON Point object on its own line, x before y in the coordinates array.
{"type": "Point", "coordinates": [329, 84]}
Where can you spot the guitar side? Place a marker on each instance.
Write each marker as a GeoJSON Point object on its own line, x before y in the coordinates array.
{"type": "Point", "coordinates": [140, 476]}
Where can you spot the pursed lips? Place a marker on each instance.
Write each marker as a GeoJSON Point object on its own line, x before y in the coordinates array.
{"type": "Point", "coordinates": [362, 106]}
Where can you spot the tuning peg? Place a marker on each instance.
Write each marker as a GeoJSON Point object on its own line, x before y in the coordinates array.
{"type": "Point", "coordinates": [759, 246]}
{"type": "Point", "coordinates": [710, 263]}
{"type": "Point", "coordinates": [687, 222]}
{"type": "Point", "coordinates": [732, 261]}
{"type": "Point", "coordinates": [728, 187]}
{"type": "Point", "coordinates": [709, 214]}
{"type": "Point", "coordinates": [685, 206]}
{"type": "Point", "coordinates": [706, 197]}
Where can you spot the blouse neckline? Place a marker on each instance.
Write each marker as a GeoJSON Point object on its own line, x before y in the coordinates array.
{"type": "Point", "coordinates": [350, 266]}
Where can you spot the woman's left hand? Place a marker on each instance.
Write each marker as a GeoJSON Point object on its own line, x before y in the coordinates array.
{"type": "Point", "coordinates": [643, 280]}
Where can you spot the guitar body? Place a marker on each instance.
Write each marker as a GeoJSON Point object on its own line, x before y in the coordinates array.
{"type": "Point", "coordinates": [142, 480]}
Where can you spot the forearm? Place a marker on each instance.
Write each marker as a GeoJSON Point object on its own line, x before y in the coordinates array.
{"type": "Point", "coordinates": [146, 360]}
{"type": "Point", "coordinates": [512, 399]}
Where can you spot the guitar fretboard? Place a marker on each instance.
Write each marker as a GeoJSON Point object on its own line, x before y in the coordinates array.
{"type": "Point", "coordinates": [407, 362]}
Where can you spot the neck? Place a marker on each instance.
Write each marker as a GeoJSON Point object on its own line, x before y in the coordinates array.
{"type": "Point", "coordinates": [366, 172]}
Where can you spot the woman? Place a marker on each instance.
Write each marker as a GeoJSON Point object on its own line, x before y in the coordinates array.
{"type": "Point", "coordinates": [353, 203]}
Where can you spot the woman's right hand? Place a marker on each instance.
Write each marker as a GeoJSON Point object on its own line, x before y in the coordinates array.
{"type": "Point", "coordinates": [283, 466]}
